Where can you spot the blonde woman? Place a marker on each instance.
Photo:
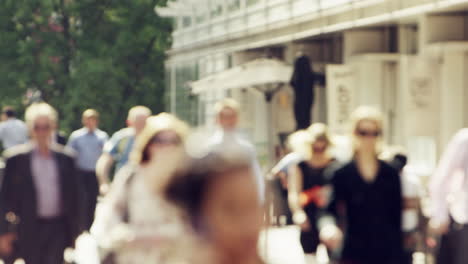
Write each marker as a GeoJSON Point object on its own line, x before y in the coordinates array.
{"type": "Point", "coordinates": [309, 187]}
{"type": "Point", "coordinates": [135, 222]}
{"type": "Point", "coordinates": [370, 192]}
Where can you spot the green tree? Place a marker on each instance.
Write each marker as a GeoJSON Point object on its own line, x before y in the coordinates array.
{"type": "Point", "coordinates": [106, 54]}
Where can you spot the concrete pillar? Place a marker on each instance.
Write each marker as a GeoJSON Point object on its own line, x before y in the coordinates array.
{"type": "Point", "coordinates": [452, 94]}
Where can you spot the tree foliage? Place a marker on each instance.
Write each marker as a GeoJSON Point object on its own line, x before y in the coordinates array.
{"type": "Point", "coordinates": [106, 54]}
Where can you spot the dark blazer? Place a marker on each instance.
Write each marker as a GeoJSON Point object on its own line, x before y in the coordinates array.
{"type": "Point", "coordinates": [18, 195]}
{"type": "Point", "coordinates": [373, 231]}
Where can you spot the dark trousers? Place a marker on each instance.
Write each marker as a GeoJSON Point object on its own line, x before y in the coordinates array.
{"type": "Point", "coordinates": [49, 244]}
{"type": "Point", "coordinates": [302, 111]}
{"type": "Point", "coordinates": [91, 188]}
{"type": "Point", "coordinates": [453, 245]}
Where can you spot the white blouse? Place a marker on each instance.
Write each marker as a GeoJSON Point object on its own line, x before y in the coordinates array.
{"type": "Point", "coordinates": [153, 231]}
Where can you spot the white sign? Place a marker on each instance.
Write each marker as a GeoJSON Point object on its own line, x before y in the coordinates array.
{"type": "Point", "coordinates": [340, 96]}
{"type": "Point", "coordinates": [421, 93]}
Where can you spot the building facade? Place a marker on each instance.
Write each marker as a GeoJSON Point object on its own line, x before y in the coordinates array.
{"type": "Point", "coordinates": [406, 57]}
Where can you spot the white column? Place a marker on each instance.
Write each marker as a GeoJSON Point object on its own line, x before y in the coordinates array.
{"type": "Point", "coordinates": [452, 94]}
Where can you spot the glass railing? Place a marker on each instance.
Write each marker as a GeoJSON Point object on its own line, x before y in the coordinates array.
{"type": "Point", "coordinates": [258, 13]}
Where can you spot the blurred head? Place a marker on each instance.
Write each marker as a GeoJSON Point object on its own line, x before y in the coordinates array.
{"type": "Point", "coordinates": [297, 142]}
{"type": "Point", "coordinates": [41, 119]}
{"type": "Point", "coordinates": [319, 138]}
{"type": "Point", "coordinates": [227, 113]}
{"type": "Point", "coordinates": [162, 133]}
{"type": "Point", "coordinates": [90, 119]}
{"type": "Point", "coordinates": [219, 195]}
{"type": "Point", "coordinates": [8, 112]}
{"type": "Point", "coordinates": [137, 116]}
{"type": "Point", "coordinates": [367, 124]}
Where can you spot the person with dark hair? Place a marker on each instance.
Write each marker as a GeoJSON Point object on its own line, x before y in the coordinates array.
{"type": "Point", "coordinates": [135, 223]}
{"type": "Point", "coordinates": [412, 193]}
{"type": "Point", "coordinates": [12, 130]}
{"type": "Point", "coordinates": [302, 82]}
{"type": "Point", "coordinates": [218, 195]}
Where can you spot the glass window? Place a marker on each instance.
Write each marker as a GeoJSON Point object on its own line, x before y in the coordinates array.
{"type": "Point", "coordinates": [217, 10]}
{"type": "Point", "coordinates": [234, 5]}
{"type": "Point", "coordinates": [252, 2]}
{"type": "Point", "coordinates": [186, 103]}
{"type": "Point", "coordinates": [186, 22]}
{"type": "Point", "coordinates": [200, 18]}
{"type": "Point", "coordinates": [167, 91]}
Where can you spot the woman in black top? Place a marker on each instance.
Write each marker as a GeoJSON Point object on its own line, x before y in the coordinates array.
{"type": "Point", "coordinates": [370, 193]}
{"type": "Point", "coordinates": [309, 188]}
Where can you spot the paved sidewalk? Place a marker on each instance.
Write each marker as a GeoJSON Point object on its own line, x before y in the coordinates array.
{"type": "Point", "coordinates": [280, 245]}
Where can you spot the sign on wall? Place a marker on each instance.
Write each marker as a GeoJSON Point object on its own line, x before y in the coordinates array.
{"type": "Point", "coordinates": [341, 96]}
{"type": "Point", "coordinates": [422, 98]}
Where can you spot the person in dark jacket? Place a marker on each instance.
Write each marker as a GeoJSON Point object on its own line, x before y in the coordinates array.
{"type": "Point", "coordinates": [309, 188]}
{"type": "Point", "coordinates": [302, 82]}
{"type": "Point", "coordinates": [369, 190]}
{"type": "Point", "coordinates": [41, 212]}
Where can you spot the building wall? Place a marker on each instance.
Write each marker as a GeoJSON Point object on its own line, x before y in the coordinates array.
{"type": "Point", "coordinates": [391, 54]}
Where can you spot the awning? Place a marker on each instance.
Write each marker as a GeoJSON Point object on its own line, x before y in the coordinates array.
{"type": "Point", "coordinates": [255, 73]}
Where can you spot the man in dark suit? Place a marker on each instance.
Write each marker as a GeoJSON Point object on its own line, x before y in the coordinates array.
{"type": "Point", "coordinates": [40, 197]}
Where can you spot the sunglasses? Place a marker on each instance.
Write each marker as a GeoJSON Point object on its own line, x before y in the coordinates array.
{"type": "Point", "coordinates": [364, 133]}
{"type": "Point", "coordinates": [165, 141]}
{"type": "Point", "coordinates": [42, 128]}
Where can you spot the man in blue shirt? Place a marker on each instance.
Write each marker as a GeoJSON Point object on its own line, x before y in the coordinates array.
{"type": "Point", "coordinates": [88, 143]}
{"type": "Point", "coordinates": [12, 130]}
{"type": "Point", "coordinates": [117, 149]}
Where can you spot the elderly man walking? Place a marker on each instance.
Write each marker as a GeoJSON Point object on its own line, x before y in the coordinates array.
{"type": "Point", "coordinates": [40, 213]}
{"type": "Point", "coordinates": [117, 149]}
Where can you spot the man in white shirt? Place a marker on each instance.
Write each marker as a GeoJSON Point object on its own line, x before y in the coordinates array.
{"type": "Point", "coordinates": [228, 139]}
{"type": "Point", "coordinates": [449, 197]}
{"type": "Point", "coordinates": [12, 130]}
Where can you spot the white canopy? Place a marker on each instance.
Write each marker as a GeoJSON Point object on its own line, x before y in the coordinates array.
{"type": "Point", "coordinates": [255, 73]}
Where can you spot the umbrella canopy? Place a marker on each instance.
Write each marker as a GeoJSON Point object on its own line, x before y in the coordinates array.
{"type": "Point", "coordinates": [255, 73]}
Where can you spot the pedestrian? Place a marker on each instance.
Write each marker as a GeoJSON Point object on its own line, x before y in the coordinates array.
{"type": "Point", "coordinates": [13, 131]}
{"type": "Point", "coordinates": [117, 150]}
{"type": "Point", "coordinates": [310, 187]}
{"type": "Point", "coordinates": [41, 211]}
{"type": "Point", "coordinates": [279, 175]}
{"type": "Point", "coordinates": [449, 200]}
{"type": "Point", "coordinates": [135, 223]}
{"type": "Point", "coordinates": [411, 194]}
{"type": "Point", "coordinates": [370, 192]}
{"type": "Point", "coordinates": [88, 143]}
{"type": "Point", "coordinates": [228, 138]}
{"type": "Point", "coordinates": [302, 82]}
{"type": "Point", "coordinates": [296, 143]}
{"type": "Point", "coordinates": [218, 195]}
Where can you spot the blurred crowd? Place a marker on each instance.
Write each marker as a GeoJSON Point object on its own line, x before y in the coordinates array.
{"type": "Point", "coordinates": [145, 195]}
